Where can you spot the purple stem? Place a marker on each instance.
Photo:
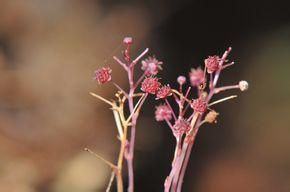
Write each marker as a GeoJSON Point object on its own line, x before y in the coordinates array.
{"type": "Point", "coordinates": [133, 86]}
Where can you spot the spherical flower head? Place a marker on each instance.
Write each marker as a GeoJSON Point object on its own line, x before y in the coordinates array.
{"type": "Point", "coordinates": [196, 77]}
{"type": "Point", "coordinates": [164, 92]}
{"type": "Point", "coordinates": [103, 75]}
{"type": "Point", "coordinates": [150, 85]}
{"type": "Point", "coordinates": [128, 40]}
{"type": "Point", "coordinates": [181, 126]}
{"type": "Point", "coordinates": [163, 113]}
{"type": "Point", "coordinates": [243, 85]}
{"type": "Point", "coordinates": [212, 63]}
{"type": "Point", "coordinates": [199, 105]}
{"type": "Point", "coordinates": [181, 80]}
{"type": "Point", "coordinates": [151, 66]}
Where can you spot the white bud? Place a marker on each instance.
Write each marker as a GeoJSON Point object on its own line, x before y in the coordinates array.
{"type": "Point", "coordinates": [243, 85]}
{"type": "Point", "coordinates": [128, 40]}
{"type": "Point", "coordinates": [181, 80]}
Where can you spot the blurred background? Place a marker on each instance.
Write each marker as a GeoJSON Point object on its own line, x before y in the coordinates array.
{"type": "Point", "coordinates": [50, 49]}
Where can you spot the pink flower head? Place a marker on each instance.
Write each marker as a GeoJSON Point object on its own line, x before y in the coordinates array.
{"type": "Point", "coordinates": [150, 85]}
{"type": "Point", "coordinates": [103, 75]}
{"type": "Point", "coordinates": [164, 92]}
{"type": "Point", "coordinates": [199, 105]}
{"type": "Point", "coordinates": [162, 113]}
{"type": "Point", "coordinates": [196, 76]}
{"type": "Point", "coordinates": [151, 66]}
{"type": "Point", "coordinates": [212, 63]}
{"type": "Point", "coordinates": [181, 80]}
{"type": "Point", "coordinates": [181, 126]}
{"type": "Point", "coordinates": [128, 40]}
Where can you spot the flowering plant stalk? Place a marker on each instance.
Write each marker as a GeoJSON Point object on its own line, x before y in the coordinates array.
{"type": "Point", "coordinates": [150, 67]}
{"type": "Point", "coordinates": [184, 118]}
{"type": "Point", "coordinates": [186, 121]}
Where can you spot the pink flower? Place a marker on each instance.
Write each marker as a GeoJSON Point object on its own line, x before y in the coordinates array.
{"type": "Point", "coordinates": [164, 92]}
{"type": "Point", "coordinates": [103, 75]}
{"type": "Point", "coordinates": [162, 113]}
{"type": "Point", "coordinates": [196, 76]}
{"type": "Point", "coordinates": [150, 85]}
{"type": "Point", "coordinates": [212, 63]}
{"type": "Point", "coordinates": [181, 126]}
{"type": "Point", "coordinates": [151, 66]}
{"type": "Point", "coordinates": [128, 40]}
{"type": "Point", "coordinates": [181, 80]}
{"type": "Point", "coordinates": [199, 105]}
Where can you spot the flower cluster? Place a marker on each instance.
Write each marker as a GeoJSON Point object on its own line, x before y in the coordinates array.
{"type": "Point", "coordinates": [184, 120]}
{"type": "Point", "coordinates": [212, 63]}
{"type": "Point", "coordinates": [196, 77]}
{"type": "Point", "coordinates": [103, 75]}
{"type": "Point", "coordinates": [199, 105]}
{"type": "Point", "coordinates": [192, 112]}
{"type": "Point", "coordinates": [150, 85]}
{"type": "Point", "coordinates": [163, 113]}
{"type": "Point", "coordinates": [151, 66]}
{"type": "Point", "coordinates": [164, 92]}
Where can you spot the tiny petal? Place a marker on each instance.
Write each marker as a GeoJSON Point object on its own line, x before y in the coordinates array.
{"type": "Point", "coordinates": [151, 66]}
{"type": "Point", "coordinates": [164, 92]}
{"type": "Point", "coordinates": [103, 75]}
{"type": "Point", "coordinates": [128, 40]}
{"type": "Point", "coordinates": [199, 105]}
{"type": "Point", "coordinates": [181, 80]}
{"type": "Point", "coordinates": [162, 113]}
{"type": "Point", "coordinates": [196, 77]}
{"type": "Point", "coordinates": [212, 63]}
{"type": "Point", "coordinates": [150, 85]}
{"type": "Point", "coordinates": [243, 85]}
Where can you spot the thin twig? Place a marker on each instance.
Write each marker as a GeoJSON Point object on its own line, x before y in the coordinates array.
{"type": "Point", "coordinates": [118, 123]}
{"type": "Point", "coordinates": [140, 56]}
{"type": "Point", "coordinates": [121, 63]}
{"type": "Point", "coordinates": [120, 89]}
{"type": "Point", "coordinates": [222, 100]}
{"type": "Point", "coordinates": [111, 181]}
{"type": "Point", "coordinates": [101, 158]}
{"type": "Point", "coordinates": [102, 99]}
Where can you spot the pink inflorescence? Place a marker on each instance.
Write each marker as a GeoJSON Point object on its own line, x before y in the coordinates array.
{"type": "Point", "coordinates": [196, 76]}
{"type": "Point", "coordinates": [103, 75]}
{"type": "Point", "coordinates": [212, 63]}
{"type": "Point", "coordinates": [181, 126]}
{"type": "Point", "coordinates": [199, 105]}
{"type": "Point", "coordinates": [151, 66]}
{"type": "Point", "coordinates": [150, 85]}
{"type": "Point", "coordinates": [162, 113]}
{"type": "Point", "coordinates": [164, 92]}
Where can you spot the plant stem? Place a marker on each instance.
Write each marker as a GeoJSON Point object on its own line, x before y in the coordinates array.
{"type": "Point", "coordinates": [186, 160]}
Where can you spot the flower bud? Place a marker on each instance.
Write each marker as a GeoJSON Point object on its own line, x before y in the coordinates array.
{"type": "Point", "coordinates": [243, 85]}
{"type": "Point", "coordinates": [128, 40]}
{"type": "Point", "coordinates": [181, 80]}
